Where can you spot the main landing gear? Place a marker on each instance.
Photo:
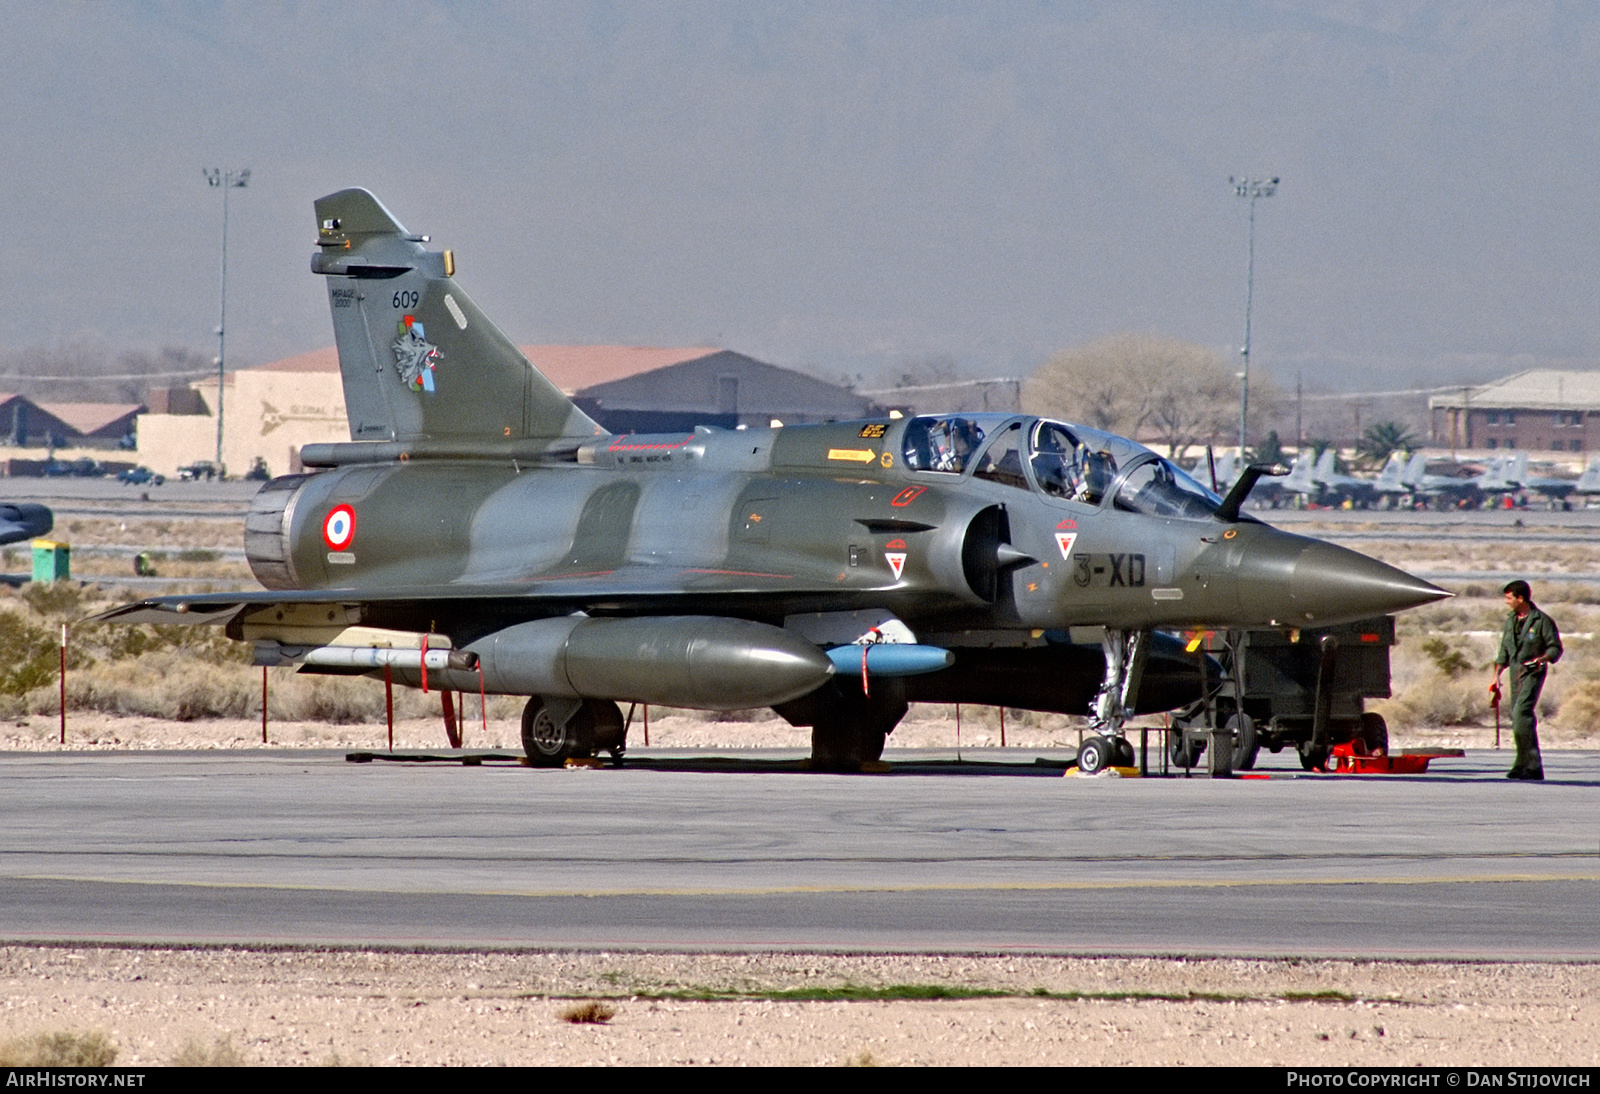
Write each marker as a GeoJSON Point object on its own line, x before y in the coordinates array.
{"type": "Point", "coordinates": [852, 732]}
{"type": "Point", "coordinates": [1125, 653]}
{"type": "Point", "coordinates": [848, 728]}
{"type": "Point", "coordinates": [555, 730]}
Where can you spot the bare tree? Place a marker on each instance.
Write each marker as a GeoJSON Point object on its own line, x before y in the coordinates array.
{"type": "Point", "coordinates": [927, 370]}
{"type": "Point", "coordinates": [1168, 391]}
{"type": "Point", "coordinates": [85, 370]}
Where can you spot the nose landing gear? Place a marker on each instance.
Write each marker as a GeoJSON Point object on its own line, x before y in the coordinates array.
{"type": "Point", "coordinates": [1125, 653]}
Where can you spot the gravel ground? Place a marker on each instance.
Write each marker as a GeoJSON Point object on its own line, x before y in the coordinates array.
{"type": "Point", "coordinates": [485, 1009]}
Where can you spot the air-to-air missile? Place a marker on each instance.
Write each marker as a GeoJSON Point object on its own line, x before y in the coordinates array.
{"type": "Point", "coordinates": [1012, 559]}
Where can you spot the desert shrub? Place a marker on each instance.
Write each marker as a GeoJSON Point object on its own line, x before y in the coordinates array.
{"type": "Point", "coordinates": [30, 654]}
{"type": "Point", "coordinates": [1579, 710]}
{"type": "Point", "coordinates": [1437, 700]}
{"type": "Point", "coordinates": [758, 714]}
{"type": "Point", "coordinates": [116, 642]}
{"type": "Point", "coordinates": [220, 1053]}
{"type": "Point", "coordinates": [158, 685]}
{"type": "Point", "coordinates": [341, 700]}
{"type": "Point", "coordinates": [590, 1012]}
{"type": "Point", "coordinates": [62, 1049]}
{"type": "Point", "coordinates": [54, 598]}
{"type": "Point", "coordinates": [1446, 658]}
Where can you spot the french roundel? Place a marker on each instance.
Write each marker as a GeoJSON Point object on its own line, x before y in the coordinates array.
{"type": "Point", "coordinates": [340, 527]}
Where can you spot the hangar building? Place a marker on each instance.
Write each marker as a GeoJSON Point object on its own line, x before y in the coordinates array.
{"type": "Point", "coordinates": [272, 411]}
{"type": "Point", "coordinates": [1540, 410]}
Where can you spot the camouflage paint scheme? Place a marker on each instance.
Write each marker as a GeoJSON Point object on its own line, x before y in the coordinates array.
{"type": "Point", "coordinates": [477, 505]}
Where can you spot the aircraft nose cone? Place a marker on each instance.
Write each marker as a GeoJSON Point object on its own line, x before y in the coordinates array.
{"type": "Point", "coordinates": [1329, 584]}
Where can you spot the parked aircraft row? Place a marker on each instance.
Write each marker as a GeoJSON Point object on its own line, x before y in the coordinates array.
{"type": "Point", "coordinates": [1403, 482]}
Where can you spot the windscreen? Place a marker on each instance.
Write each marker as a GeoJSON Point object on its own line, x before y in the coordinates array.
{"type": "Point", "coordinates": [1159, 489]}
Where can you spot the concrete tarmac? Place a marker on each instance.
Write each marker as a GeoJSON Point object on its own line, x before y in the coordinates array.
{"type": "Point", "coordinates": [677, 852]}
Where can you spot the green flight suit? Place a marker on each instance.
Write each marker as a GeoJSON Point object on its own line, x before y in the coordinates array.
{"type": "Point", "coordinates": [1521, 641]}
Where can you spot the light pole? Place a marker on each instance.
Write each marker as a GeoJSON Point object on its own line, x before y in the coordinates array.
{"type": "Point", "coordinates": [225, 181]}
{"type": "Point", "coordinates": [1250, 189]}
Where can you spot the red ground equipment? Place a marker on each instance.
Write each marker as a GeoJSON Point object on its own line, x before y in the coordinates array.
{"type": "Point", "coordinates": [1352, 758]}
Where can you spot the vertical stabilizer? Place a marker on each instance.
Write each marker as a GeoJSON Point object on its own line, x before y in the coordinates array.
{"type": "Point", "coordinates": [419, 360]}
{"type": "Point", "coordinates": [1589, 481]}
{"type": "Point", "coordinates": [1298, 480]}
{"type": "Point", "coordinates": [1392, 476]}
{"type": "Point", "coordinates": [1322, 473]}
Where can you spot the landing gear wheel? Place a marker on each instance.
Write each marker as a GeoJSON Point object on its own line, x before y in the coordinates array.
{"type": "Point", "coordinates": [1374, 733]}
{"type": "Point", "coordinates": [548, 740]}
{"type": "Point", "coordinates": [606, 729]}
{"type": "Point", "coordinates": [1185, 752]}
{"type": "Point", "coordinates": [1313, 759]}
{"type": "Point", "coordinates": [1245, 745]}
{"type": "Point", "coordinates": [850, 730]}
{"type": "Point", "coordinates": [1097, 754]}
{"type": "Point", "coordinates": [839, 745]}
{"type": "Point", "coordinates": [1124, 752]}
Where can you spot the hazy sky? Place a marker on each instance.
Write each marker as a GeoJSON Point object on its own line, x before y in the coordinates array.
{"type": "Point", "coordinates": [829, 186]}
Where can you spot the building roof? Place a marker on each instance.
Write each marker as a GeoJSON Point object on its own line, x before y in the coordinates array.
{"type": "Point", "coordinates": [318, 360]}
{"type": "Point", "coordinates": [570, 368]}
{"type": "Point", "coordinates": [573, 368]}
{"type": "Point", "coordinates": [1535, 389]}
{"type": "Point", "coordinates": [87, 419]}
{"type": "Point", "coordinates": [698, 385]}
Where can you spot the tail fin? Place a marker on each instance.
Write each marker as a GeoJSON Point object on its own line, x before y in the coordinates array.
{"type": "Point", "coordinates": [1415, 470]}
{"type": "Point", "coordinates": [1392, 471]}
{"type": "Point", "coordinates": [1589, 481]}
{"type": "Point", "coordinates": [1323, 471]}
{"type": "Point", "coordinates": [1298, 480]}
{"type": "Point", "coordinates": [419, 360]}
{"type": "Point", "coordinates": [1229, 467]}
{"type": "Point", "coordinates": [1493, 477]}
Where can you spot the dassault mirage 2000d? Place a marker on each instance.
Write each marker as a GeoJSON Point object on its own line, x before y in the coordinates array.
{"type": "Point", "coordinates": [479, 530]}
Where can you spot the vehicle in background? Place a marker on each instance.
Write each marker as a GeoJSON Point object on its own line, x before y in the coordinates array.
{"type": "Point", "coordinates": [140, 476]}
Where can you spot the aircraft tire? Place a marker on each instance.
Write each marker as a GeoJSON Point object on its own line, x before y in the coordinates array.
{"type": "Point", "coordinates": [1313, 759]}
{"type": "Point", "coordinates": [1374, 733]}
{"type": "Point", "coordinates": [851, 729]}
{"type": "Point", "coordinates": [1184, 753]}
{"type": "Point", "coordinates": [1245, 744]}
{"type": "Point", "coordinates": [844, 744]}
{"type": "Point", "coordinates": [547, 742]}
{"type": "Point", "coordinates": [1124, 754]}
{"type": "Point", "coordinates": [1096, 754]}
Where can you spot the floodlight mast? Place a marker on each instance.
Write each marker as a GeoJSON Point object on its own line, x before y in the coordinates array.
{"type": "Point", "coordinates": [1251, 189]}
{"type": "Point", "coordinates": [225, 181]}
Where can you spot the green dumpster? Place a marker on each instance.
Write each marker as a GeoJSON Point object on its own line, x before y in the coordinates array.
{"type": "Point", "coordinates": [52, 561]}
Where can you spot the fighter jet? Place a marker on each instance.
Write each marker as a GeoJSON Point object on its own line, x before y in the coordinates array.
{"type": "Point", "coordinates": [1556, 491]}
{"type": "Point", "coordinates": [1456, 491]}
{"type": "Point", "coordinates": [1589, 481]}
{"type": "Point", "coordinates": [480, 531]}
{"type": "Point", "coordinates": [21, 520]}
{"type": "Point", "coordinates": [1389, 487]}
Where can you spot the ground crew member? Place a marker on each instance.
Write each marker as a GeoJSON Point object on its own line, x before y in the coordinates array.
{"type": "Point", "coordinates": [1530, 644]}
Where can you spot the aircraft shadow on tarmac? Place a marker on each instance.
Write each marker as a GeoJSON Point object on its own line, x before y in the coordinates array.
{"type": "Point", "coordinates": [1040, 767]}
{"type": "Point", "coordinates": [1046, 766]}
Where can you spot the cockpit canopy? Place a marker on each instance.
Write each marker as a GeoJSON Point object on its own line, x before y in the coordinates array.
{"type": "Point", "coordinates": [1071, 463]}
